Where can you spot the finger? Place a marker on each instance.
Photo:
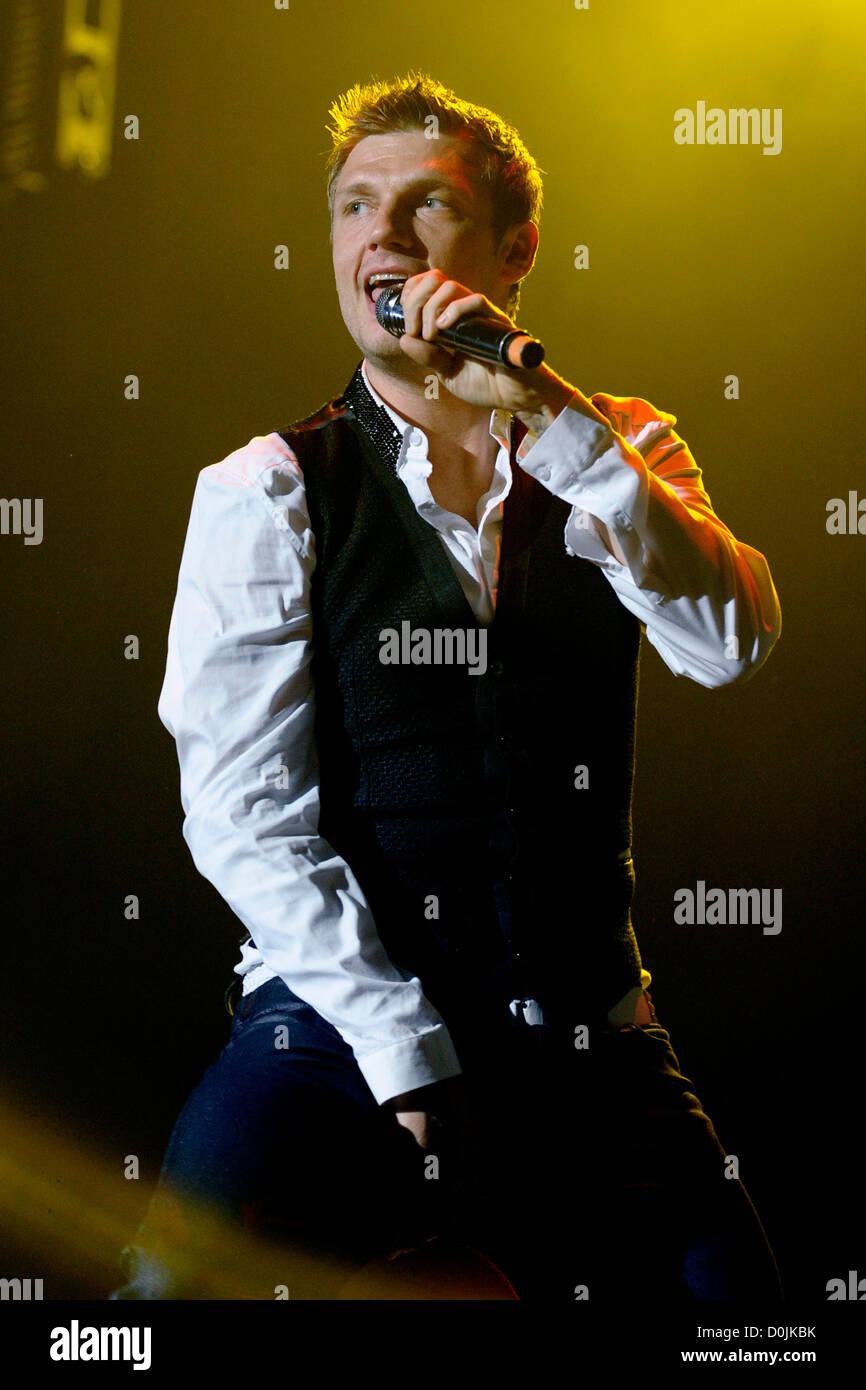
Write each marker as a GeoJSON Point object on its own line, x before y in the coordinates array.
{"type": "Point", "coordinates": [450, 293]}
{"type": "Point", "coordinates": [471, 304]}
{"type": "Point", "coordinates": [414, 295]}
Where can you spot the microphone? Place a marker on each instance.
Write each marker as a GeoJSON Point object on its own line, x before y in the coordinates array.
{"type": "Point", "coordinates": [483, 339]}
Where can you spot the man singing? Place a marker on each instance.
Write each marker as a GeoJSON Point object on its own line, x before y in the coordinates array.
{"type": "Point", "coordinates": [444, 1029]}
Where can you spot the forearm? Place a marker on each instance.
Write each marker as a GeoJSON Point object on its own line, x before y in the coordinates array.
{"type": "Point", "coordinates": [640, 512]}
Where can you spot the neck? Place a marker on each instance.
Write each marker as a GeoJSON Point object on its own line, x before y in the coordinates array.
{"type": "Point", "coordinates": [454, 428]}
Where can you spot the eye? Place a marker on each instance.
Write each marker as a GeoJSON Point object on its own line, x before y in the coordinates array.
{"type": "Point", "coordinates": [356, 204]}
{"type": "Point", "coordinates": [432, 199]}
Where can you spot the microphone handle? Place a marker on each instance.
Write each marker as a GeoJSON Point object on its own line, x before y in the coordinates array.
{"type": "Point", "coordinates": [484, 340]}
{"type": "Point", "coordinates": [473, 335]}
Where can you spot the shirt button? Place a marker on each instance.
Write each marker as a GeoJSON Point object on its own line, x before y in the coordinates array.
{"type": "Point", "coordinates": [624, 521]}
{"type": "Point", "coordinates": [416, 438]}
{"type": "Point", "coordinates": [543, 472]}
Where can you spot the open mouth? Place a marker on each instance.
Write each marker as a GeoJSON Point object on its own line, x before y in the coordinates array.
{"type": "Point", "coordinates": [378, 283]}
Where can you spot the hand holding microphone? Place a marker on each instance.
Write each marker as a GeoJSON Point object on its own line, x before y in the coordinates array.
{"type": "Point", "coordinates": [483, 339]}
{"type": "Point", "coordinates": [443, 325]}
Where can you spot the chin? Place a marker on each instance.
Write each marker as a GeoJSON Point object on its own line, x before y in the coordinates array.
{"type": "Point", "coordinates": [382, 348]}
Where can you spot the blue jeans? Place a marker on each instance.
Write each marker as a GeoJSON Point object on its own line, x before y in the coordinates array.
{"type": "Point", "coordinates": [597, 1169]}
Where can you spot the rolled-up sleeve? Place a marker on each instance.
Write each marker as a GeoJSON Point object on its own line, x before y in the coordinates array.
{"type": "Point", "coordinates": [239, 700]}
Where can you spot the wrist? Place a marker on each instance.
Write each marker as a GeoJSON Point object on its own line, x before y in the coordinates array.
{"type": "Point", "coordinates": [424, 1097]}
{"type": "Point", "coordinates": [552, 395]}
{"type": "Point", "coordinates": [410, 1100]}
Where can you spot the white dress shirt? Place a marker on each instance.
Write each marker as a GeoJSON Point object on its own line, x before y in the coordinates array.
{"type": "Point", "coordinates": [238, 696]}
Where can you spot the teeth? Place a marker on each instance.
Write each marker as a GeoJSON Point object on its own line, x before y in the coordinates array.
{"type": "Point", "coordinates": [380, 282]}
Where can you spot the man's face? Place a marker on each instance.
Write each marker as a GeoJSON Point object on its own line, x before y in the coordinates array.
{"type": "Point", "coordinates": [404, 203]}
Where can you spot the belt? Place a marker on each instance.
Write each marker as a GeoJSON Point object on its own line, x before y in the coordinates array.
{"type": "Point", "coordinates": [529, 1013]}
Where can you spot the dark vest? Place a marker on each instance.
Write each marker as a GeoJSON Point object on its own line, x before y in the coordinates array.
{"type": "Point", "coordinates": [452, 796]}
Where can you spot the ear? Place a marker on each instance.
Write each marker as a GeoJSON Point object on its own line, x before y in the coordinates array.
{"type": "Point", "coordinates": [516, 254]}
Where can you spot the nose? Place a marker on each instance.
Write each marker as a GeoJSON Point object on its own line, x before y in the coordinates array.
{"type": "Point", "coordinates": [391, 226]}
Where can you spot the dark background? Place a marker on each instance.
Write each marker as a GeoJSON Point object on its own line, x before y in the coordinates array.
{"type": "Point", "coordinates": [704, 261]}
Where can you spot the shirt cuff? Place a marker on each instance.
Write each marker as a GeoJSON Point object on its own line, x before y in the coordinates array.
{"type": "Point", "coordinates": [410, 1064]}
{"type": "Point", "coordinates": [624, 1012]}
{"type": "Point", "coordinates": [559, 455]}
